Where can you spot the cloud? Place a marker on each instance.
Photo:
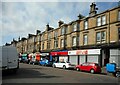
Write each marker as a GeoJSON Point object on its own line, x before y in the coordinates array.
{"type": "Point", "coordinates": [21, 18]}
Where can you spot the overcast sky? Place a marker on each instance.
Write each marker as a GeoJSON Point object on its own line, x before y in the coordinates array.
{"type": "Point", "coordinates": [22, 18]}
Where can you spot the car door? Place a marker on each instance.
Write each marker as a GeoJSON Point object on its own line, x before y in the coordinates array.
{"type": "Point", "coordinates": [83, 66]}
{"type": "Point", "coordinates": [62, 64]}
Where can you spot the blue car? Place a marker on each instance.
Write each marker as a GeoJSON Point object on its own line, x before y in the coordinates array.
{"type": "Point", "coordinates": [45, 62]}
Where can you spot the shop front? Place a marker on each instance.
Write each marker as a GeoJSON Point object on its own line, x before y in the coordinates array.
{"type": "Point", "coordinates": [81, 56]}
{"type": "Point", "coordinates": [59, 56]}
{"type": "Point", "coordinates": [44, 56]}
{"type": "Point", "coordinates": [73, 57]}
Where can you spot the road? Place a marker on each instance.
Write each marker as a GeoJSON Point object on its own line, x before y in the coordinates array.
{"type": "Point", "coordinates": [40, 74]}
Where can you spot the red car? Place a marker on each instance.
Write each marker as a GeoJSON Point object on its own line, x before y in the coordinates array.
{"type": "Point", "coordinates": [90, 67]}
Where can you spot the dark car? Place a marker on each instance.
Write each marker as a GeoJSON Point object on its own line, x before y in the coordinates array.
{"type": "Point", "coordinates": [89, 67]}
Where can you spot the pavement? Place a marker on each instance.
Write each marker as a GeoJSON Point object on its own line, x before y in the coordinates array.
{"type": "Point", "coordinates": [105, 72]}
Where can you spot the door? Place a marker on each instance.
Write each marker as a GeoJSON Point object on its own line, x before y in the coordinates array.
{"type": "Point", "coordinates": [84, 66]}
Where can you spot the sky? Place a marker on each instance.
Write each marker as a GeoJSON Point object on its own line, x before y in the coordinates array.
{"type": "Point", "coordinates": [21, 18]}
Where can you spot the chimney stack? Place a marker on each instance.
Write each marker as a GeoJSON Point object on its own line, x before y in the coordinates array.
{"type": "Point", "coordinates": [93, 9]}
{"type": "Point", "coordinates": [38, 32]}
{"type": "Point", "coordinates": [60, 23]}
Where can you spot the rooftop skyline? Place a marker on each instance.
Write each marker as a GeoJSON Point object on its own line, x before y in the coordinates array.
{"type": "Point", "coordinates": [22, 18]}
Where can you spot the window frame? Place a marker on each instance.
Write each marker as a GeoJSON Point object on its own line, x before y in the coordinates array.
{"type": "Point", "coordinates": [99, 21]}
{"type": "Point", "coordinates": [75, 27]}
{"type": "Point", "coordinates": [98, 41]}
{"type": "Point", "coordinates": [74, 42]}
{"type": "Point", "coordinates": [86, 24]}
{"type": "Point", "coordinates": [85, 39]}
{"type": "Point", "coordinates": [119, 15]}
{"type": "Point", "coordinates": [103, 22]}
{"type": "Point", "coordinates": [62, 30]}
{"type": "Point", "coordinates": [62, 43]}
{"type": "Point", "coordinates": [104, 39]}
{"type": "Point", "coordinates": [119, 34]}
{"type": "Point", "coordinates": [101, 36]}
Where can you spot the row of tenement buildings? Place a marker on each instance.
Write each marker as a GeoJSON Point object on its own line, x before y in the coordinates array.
{"type": "Point", "coordinates": [96, 31]}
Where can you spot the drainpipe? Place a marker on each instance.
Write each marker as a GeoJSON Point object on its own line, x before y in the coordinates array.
{"type": "Point", "coordinates": [109, 30]}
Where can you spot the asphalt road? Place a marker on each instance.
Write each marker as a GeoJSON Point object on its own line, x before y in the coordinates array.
{"type": "Point", "coordinates": [40, 74]}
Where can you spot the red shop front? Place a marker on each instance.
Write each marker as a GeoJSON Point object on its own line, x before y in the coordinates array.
{"type": "Point", "coordinates": [60, 56]}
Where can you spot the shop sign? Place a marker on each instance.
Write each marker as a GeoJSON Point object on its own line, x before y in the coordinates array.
{"type": "Point", "coordinates": [94, 51]}
{"type": "Point", "coordinates": [63, 53]}
{"type": "Point", "coordinates": [72, 52]}
{"type": "Point", "coordinates": [82, 52]}
{"type": "Point", "coordinates": [44, 54]}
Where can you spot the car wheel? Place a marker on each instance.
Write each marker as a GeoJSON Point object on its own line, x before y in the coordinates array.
{"type": "Point", "coordinates": [45, 64]}
{"type": "Point", "coordinates": [54, 66]}
{"type": "Point", "coordinates": [77, 69]}
{"type": "Point", "coordinates": [64, 67]}
{"type": "Point", "coordinates": [92, 71]}
{"type": "Point", "coordinates": [117, 74]}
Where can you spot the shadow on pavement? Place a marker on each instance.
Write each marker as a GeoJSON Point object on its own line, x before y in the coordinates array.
{"type": "Point", "coordinates": [25, 73]}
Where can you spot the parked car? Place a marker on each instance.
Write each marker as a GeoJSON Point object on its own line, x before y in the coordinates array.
{"type": "Point", "coordinates": [45, 62]}
{"type": "Point", "coordinates": [89, 67]}
{"type": "Point", "coordinates": [64, 65]}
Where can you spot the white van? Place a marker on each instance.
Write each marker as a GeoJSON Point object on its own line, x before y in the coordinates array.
{"type": "Point", "coordinates": [9, 58]}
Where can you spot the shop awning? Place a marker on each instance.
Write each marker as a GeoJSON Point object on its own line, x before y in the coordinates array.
{"type": "Point", "coordinates": [59, 53]}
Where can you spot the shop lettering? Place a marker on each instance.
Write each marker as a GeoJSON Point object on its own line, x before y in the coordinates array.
{"type": "Point", "coordinates": [82, 52]}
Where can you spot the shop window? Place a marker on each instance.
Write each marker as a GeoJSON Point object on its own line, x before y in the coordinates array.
{"type": "Point", "coordinates": [74, 39]}
{"type": "Point", "coordinates": [99, 21]}
{"type": "Point", "coordinates": [103, 20]}
{"type": "Point", "coordinates": [85, 37]}
{"type": "Point", "coordinates": [86, 24]}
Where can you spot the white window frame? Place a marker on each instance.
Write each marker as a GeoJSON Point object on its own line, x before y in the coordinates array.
{"type": "Point", "coordinates": [49, 36]}
{"type": "Point", "coordinates": [55, 34]}
{"type": "Point", "coordinates": [103, 20]}
{"type": "Point", "coordinates": [119, 34]}
{"type": "Point", "coordinates": [86, 24]}
{"type": "Point", "coordinates": [74, 27]}
{"type": "Point", "coordinates": [98, 21]}
{"type": "Point", "coordinates": [62, 30]}
{"type": "Point", "coordinates": [103, 38]}
{"type": "Point", "coordinates": [62, 43]}
{"type": "Point", "coordinates": [119, 15]}
{"type": "Point", "coordinates": [85, 39]}
{"type": "Point", "coordinates": [74, 41]}
{"type": "Point", "coordinates": [98, 34]}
